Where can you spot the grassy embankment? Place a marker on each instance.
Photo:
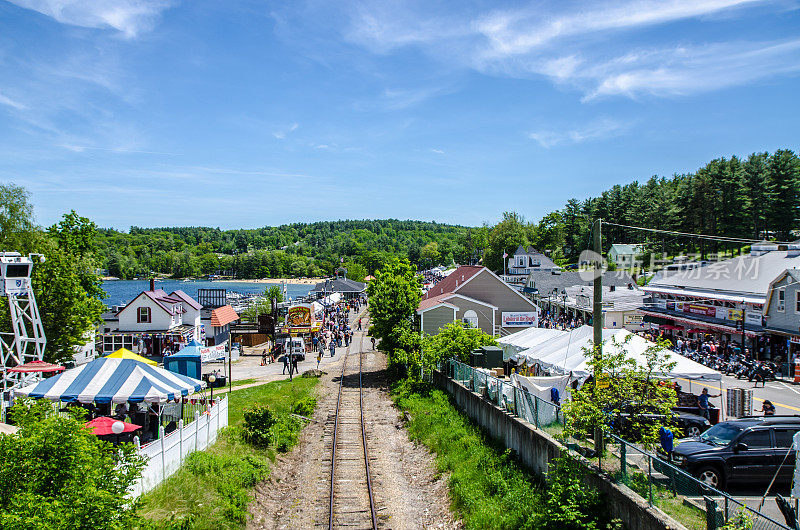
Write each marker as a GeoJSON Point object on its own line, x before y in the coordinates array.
{"type": "Point", "coordinates": [488, 486]}
{"type": "Point", "coordinates": [211, 490]}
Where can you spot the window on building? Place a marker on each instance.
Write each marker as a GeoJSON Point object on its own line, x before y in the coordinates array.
{"type": "Point", "coordinates": [143, 315]}
{"type": "Point", "coordinates": [781, 300]}
{"type": "Point", "coordinates": [797, 301]}
{"type": "Point", "coordinates": [471, 319]}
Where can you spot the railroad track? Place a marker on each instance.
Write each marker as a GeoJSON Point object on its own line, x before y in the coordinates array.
{"type": "Point", "coordinates": [351, 502]}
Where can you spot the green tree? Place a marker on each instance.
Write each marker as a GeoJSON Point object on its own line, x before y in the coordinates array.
{"type": "Point", "coordinates": [783, 192]}
{"type": "Point", "coordinates": [505, 237]}
{"type": "Point", "coordinates": [454, 340]}
{"type": "Point", "coordinates": [394, 295]}
{"type": "Point", "coordinates": [56, 474]}
{"type": "Point", "coordinates": [355, 271]}
{"type": "Point", "coordinates": [17, 226]}
{"type": "Point", "coordinates": [65, 285]}
{"type": "Point", "coordinates": [429, 255]}
{"type": "Point", "coordinates": [620, 382]}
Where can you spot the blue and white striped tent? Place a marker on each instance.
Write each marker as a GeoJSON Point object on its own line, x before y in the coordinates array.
{"type": "Point", "coordinates": [108, 380]}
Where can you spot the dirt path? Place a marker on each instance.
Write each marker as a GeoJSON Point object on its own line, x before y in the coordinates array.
{"type": "Point", "coordinates": [408, 492]}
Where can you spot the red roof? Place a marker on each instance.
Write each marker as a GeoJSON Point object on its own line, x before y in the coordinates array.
{"type": "Point", "coordinates": [36, 367]}
{"type": "Point", "coordinates": [191, 302]}
{"type": "Point", "coordinates": [222, 316]}
{"type": "Point", "coordinates": [453, 281]}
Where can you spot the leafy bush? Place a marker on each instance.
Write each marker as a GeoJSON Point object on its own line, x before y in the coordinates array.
{"type": "Point", "coordinates": [257, 427]}
{"type": "Point", "coordinates": [284, 433]}
{"type": "Point", "coordinates": [304, 407]}
{"type": "Point", "coordinates": [56, 474]}
{"type": "Point", "coordinates": [568, 503]}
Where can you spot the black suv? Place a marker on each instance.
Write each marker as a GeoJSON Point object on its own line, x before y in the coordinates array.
{"type": "Point", "coordinates": [746, 449]}
{"type": "Point", "coordinates": [688, 423]}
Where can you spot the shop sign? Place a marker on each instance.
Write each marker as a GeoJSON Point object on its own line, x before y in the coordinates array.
{"type": "Point", "coordinates": [524, 319]}
{"type": "Point", "coordinates": [696, 309]}
{"type": "Point", "coordinates": [212, 352]}
{"type": "Point", "coordinates": [633, 320]}
{"type": "Point", "coordinates": [299, 316]}
{"type": "Point", "coordinates": [794, 339]}
{"type": "Point", "coordinates": [661, 303]}
{"type": "Point", "coordinates": [734, 314]}
{"type": "Point", "coordinates": [752, 317]}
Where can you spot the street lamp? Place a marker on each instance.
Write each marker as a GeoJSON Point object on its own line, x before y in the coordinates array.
{"type": "Point", "coordinates": [117, 427]}
{"type": "Point", "coordinates": [211, 380]}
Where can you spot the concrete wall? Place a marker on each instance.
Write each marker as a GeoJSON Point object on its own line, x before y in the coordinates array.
{"type": "Point", "coordinates": [536, 448]}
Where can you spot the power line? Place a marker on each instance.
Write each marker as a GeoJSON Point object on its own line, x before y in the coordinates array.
{"type": "Point", "coordinates": [723, 239]}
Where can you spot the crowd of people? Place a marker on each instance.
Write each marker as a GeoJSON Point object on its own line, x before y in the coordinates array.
{"type": "Point", "coordinates": [563, 322]}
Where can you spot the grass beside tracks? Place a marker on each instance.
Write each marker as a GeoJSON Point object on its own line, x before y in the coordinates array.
{"type": "Point", "coordinates": [212, 488]}
{"type": "Point", "coordinates": [488, 486]}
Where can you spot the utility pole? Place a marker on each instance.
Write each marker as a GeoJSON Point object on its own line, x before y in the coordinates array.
{"type": "Point", "coordinates": [597, 318]}
{"type": "Point", "coordinates": [597, 309]}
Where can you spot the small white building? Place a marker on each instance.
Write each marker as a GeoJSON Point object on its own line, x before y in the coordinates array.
{"type": "Point", "coordinates": [153, 322]}
{"type": "Point", "coordinates": [624, 255]}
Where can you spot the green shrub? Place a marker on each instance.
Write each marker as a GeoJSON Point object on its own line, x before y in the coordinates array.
{"type": "Point", "coordinates": [304, 407]}
{"type": "Point", "coordinates": [258, 423]}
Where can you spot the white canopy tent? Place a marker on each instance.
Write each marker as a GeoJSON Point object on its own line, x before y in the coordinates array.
{"type": "Point", "coordinates": [566, 354]}
{"type": "Point", "coordinates": [526, 339]}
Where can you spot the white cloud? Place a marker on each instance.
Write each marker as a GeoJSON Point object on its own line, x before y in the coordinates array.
{"type": "Point", "coordinates": [519, 32]}
{"type": "Point", "coordinates": [281, 134]}
{"type": "Point", "coordinates": [5, 100]}
{"type": "Point", "coordinates": [437, 151]}
{"type": "Point", "coordinates": [129, 17]}
{"type": "Point", "coordinates": [597, 130]}
{"type": "Point", "coordinates": [594, 47]}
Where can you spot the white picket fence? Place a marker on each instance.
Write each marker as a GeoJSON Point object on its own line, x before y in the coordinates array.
{"type": "Point", "coordinates": [165, 455]}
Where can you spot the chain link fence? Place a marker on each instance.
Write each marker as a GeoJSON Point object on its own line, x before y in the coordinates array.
{"type": "Point", "coordinates": [659, 482]}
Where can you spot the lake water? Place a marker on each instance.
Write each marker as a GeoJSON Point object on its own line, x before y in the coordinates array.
{"type": "Point", "coordinates": [123, 291]}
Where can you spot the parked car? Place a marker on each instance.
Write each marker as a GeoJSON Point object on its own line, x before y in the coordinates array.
{"type": "Point", "coordinates": [295, 346]}
{"type": "Point", "coordinates": [747, 449]}
{"type": "Point", "coordinates": [686, 423]}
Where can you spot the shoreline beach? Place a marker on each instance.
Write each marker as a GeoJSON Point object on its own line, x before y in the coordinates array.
{"type": "Point", "coordinates": [293, 281]}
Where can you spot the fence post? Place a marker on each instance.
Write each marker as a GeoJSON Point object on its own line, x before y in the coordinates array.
{"type": "Point", "coordinates": [163, 461]}
{"type": "Point", "coordinates": [516, 412]}
{"type": "Point", "coordinates": [536, 411]}
{"type": "Point", "coordinates": [180, 440]}
{"type": "Point", "coordinates": [711, 513]}
{"type": "Point", "coordinates": [196, 423]}
{"type": "Point", "coordinates": [623, 461]}
{"type": "Point", "coordinates": [208, 426]}
{"type": "Point", "coordinates": [650, 479]}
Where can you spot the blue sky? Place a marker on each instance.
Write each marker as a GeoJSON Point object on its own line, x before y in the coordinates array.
{"type": "Point", "coordinates": [250, 113]}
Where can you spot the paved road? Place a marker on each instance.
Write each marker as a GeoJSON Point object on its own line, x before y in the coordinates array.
{"type": "Point", "coordinates": [785, 396]}
{"type": "Point", "coordinates": [249, 364]}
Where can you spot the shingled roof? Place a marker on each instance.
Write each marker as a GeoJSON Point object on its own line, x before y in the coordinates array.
{"type": "Point", "coordinates": [222, 316]}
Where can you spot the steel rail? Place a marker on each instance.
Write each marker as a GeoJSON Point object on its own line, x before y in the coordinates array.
{"type": "Point", "coordinates": [363, 437]}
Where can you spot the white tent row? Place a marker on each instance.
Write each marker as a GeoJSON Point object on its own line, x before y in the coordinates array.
{"type": "Point", "coordinates": [331, 299]}
{"type": "Point", "coordinates": [567, 354]}
{"type": "Point", "coordinates": [526, 339]}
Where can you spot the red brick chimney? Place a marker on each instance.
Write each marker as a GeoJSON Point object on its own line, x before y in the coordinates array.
{"type": "Point", "coordinates": [152, 284]}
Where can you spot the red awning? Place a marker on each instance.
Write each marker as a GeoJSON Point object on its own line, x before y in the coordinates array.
{"type": "Point", "coordinates": [36, 367]}
{"type": "Point", "coordinates": [670, 326]}
{"type": "Point", "coordinates": [698, 330]}
{"type": "Point", "coordinates": [102, 425]}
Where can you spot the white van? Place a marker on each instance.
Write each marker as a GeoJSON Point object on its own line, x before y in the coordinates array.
{"type": "Point", "coordinates": [295, 346]}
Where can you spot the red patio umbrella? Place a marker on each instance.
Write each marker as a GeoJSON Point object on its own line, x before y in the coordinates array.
{"type": "Point", "coordinates": [36, 367]}
{"type": "Point", "coordinates": [102, 425]}
{"type": "Point", "coordinates": [698, 330]}
{"type": "Point", "coordinates": [670, 326]}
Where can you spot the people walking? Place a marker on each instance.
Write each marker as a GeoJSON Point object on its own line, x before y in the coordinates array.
{"type": "Point", "coordinates": [333, 348]}
{"type": "Point", "coordinates": [373, 342]}
{"type": "Point", "coordinates": [264, 357]}
{"type": "Point", "coordinates": [359, 324]}
{"type": "Point", "coordinates": [319, 357]}
{"type": "Point", "coordinates": [286, 363]}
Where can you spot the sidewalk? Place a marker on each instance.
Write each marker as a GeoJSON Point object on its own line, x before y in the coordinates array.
{"type": "Point", "coordinates": [249, 364]}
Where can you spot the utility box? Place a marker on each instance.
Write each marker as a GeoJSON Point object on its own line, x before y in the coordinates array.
{"type": "Point", "coordinates": [492, 356]}
{"type": "Point", "coordinates": [476, 359]}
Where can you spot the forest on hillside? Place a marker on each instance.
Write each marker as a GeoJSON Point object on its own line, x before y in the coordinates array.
{"type": "Point", "coordinates": [753, 197]}
{"type": "Point", "coordinates": [757, 197]}
{"type": "Point", "coordinates": [293, 250]}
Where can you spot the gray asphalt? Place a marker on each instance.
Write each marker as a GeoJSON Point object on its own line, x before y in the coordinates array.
{"type": "Point", "coordinates": [785, 396]}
